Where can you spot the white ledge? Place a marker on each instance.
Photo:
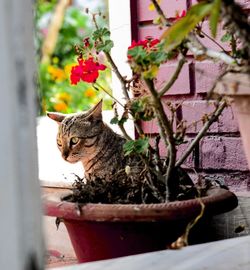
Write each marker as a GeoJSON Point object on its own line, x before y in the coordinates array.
{"type": "Point", "coordinates": [230, 254]}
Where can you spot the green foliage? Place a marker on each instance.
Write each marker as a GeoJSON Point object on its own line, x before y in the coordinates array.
{"type": "Point", "coordinates": [106, 46]}
{"type": "Point", "coordinates": [226, 37]}
{"type": "Point", "coordinates": [101, 33]}
{"type": "Point", "coordinates": [138, 146]}
{"type": "Point", "coordinates": [142, 110]}
{"type": "Point", "coordinates": [115, 120]}
{"type": "Point", "coordinates": [55, 91]}
{"type": "Point", "coordinates": [102, 40]}
{"type": "Point", "coordinates": [175, 34]}
{"type": "Point", "coordinates": [214, 16]}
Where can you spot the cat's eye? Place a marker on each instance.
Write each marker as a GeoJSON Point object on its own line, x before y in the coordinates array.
{"type": "Point", "coordinates": [74, 140]}
{"type": "Point", "coordinates": [59, 143]}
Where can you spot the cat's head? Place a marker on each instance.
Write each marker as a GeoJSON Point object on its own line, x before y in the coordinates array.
{"type": "Point", "coordinates": [78, 133]}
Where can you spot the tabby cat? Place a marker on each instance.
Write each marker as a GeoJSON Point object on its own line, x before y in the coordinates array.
{"type": "Point", "coordinates": [85, 137]}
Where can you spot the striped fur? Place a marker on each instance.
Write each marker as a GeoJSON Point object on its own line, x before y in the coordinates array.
{"type": "Point", "coordinates": [85, 137]}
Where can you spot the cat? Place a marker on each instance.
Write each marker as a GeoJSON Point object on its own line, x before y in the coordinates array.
{"type": "Point", "coordinates": [86, 138]}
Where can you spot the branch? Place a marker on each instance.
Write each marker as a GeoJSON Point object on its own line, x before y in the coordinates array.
{"type": "Point", "coordinates": [202, 132]}
{"type": "Point", "coordinates": [119, 76]}
{"type": "Point", "coordinates": [173, 78]}
{"type": "Point", "coordinates": [195, 45]}
{"type": "Point", "coordinates": [213, 40]}
{"type": "Point", "coordinates": [112, 63]}
{"type": "Point", "coordinates": [161, 13]}
{"type": "Point", "coordinates": [198, 49]}
{"type": "Point", "coordinates": [96, 85]}
{"type": "Point", "coordinates": [166, 129]}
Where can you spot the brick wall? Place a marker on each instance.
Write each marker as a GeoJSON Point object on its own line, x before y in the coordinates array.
{"type": "Point", "coordinates": [220, 154]}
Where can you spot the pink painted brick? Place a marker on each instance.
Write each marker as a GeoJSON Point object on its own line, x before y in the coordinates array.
{"type": "Point", "coordinates": [162, 146]}
{"type": "Point", "coordinates": [205, 75]}
{"type": "Point", "coordinates": [170, 7]}
{"type": "Point", "coordinates": [222, 153]}
{"type": "Point", "coordinates": [181, 85]}
{"type": "Point", "coordinates": [189, 163]}
{"type": "Point", "coordinates": [193, 111]}
{"type": "Point", "coordinates": [237, 182]}
{"type": "Point", "coordinates": [151, 127]}
{"type": "Point", "coordinates": [149, 30]}
{"type": "Point", "coordinates": [228, 121]}
{"type": "Point", "coordinates": [209, 43]}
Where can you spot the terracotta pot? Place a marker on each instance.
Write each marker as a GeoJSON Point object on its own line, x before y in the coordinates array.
{"type": "Point", "coordinates": [237, 86]}
{"type": "Point", "coordinates": [103, 231]}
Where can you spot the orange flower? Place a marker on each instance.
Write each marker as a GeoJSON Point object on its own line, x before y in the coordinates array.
{"type": "Point", "coordinates": [63, 96]}
{"type": "Point", "coordinates": [57, 74]}
{"type": "Point", "coordinates": [90, 93]}
{"type": "Point", "coordinates": [60, 106]}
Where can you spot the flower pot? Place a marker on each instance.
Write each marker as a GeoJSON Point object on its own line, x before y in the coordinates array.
{"type": "Point", "coordinates": [104, 231]}
{"type": "Point", "coordinates": [237, 86]}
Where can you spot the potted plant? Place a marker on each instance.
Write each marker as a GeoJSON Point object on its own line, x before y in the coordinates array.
{"type": "Point", "coordinates": [148, 212]}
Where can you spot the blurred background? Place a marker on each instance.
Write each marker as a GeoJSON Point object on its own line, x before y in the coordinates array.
{"type": "Point", "coordinates": [59, 26]}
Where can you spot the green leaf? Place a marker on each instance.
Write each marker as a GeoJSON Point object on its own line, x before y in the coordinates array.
{"type": "Point", "coordinates": [123, 120]}
{"type": "Point", "coordinates": [114, 120]}
{"type": "Point", "coordinates": [157, 57]}
{"type": "Point", "coordinates": [138, 146]}
{"type": "Point", "coordinates": [137, 52]}
{"type": "Point", "coordinates": [214, 16]}
{"type": "Point", "coordinates": [105, 47]}
{"type": "Point", "coordinates": [175, 34]}
{"type": "Point", "coordinates": [225, 38]}
{"type": "Point", "coordinates": [101, 33]}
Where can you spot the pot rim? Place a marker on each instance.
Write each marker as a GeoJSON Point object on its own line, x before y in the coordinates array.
{"type": "Point", "coordinates": [216, 202]}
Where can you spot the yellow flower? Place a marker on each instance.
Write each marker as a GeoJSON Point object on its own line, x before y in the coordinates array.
{"type": "Point", "coordinates": [63, 97]}
{"type": "Point", "coordinates": [50, 69]}
{"type": "Point", "coordinates": [55, 60]}
{"type": "Point", "coordinates": [60, 106]}
{"type": "Point", "coordinates": [90, 93]}
{"type": "Point", "coordinates": [151, 6]}
{"type": "Point", "coordinates": [57, 74]}
{"type": "Point", "coordinates": [67, 68]}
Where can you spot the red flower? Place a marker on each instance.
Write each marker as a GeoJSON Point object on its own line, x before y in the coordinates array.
{"type": "Point", "coordinates": [183, 14]}
{"type": "Point", "coordinates": [148, 43]}
{"type": "Point", "coordinates": [86, 42]}
{"type": "Point", "coordinates": [86, 70]}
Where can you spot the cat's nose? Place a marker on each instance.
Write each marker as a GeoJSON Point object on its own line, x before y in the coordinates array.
{"type": "Point", "coordinates": [65, 154]}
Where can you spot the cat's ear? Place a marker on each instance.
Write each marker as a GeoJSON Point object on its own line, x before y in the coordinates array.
{"type": "Point", "coordinates": [58, 117]}
{"type": "Point", "coordinates": [96, 111]}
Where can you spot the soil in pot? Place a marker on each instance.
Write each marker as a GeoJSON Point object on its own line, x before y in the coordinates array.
{"type": "Point", "coordinates": [126, 216]}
